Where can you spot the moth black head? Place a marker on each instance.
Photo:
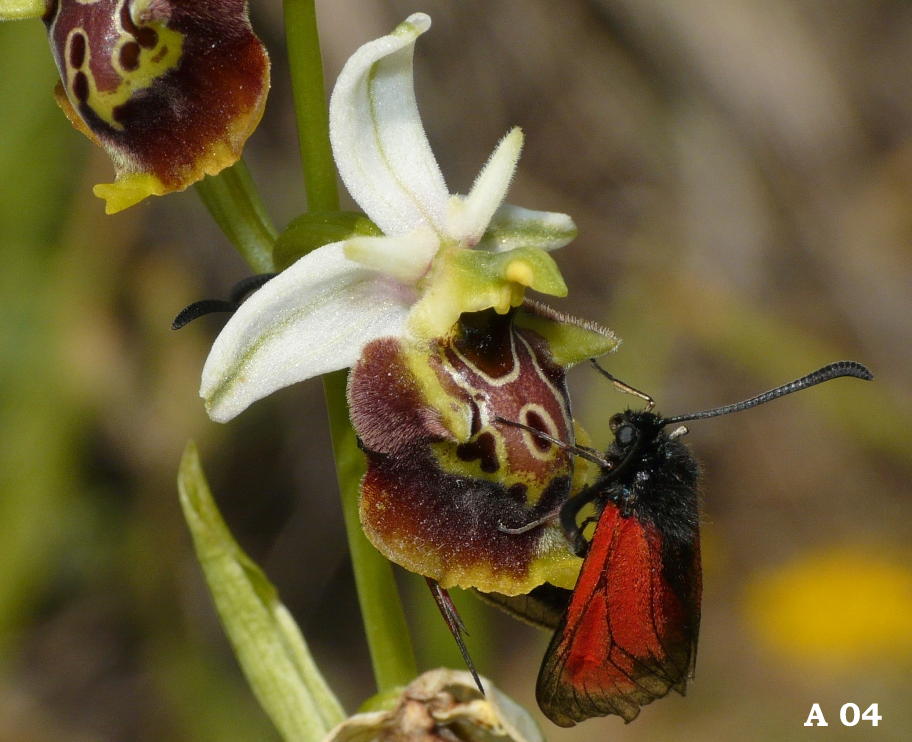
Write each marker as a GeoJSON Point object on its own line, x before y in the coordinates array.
{"type": "Point", "coordinates": [650, 474]}
{"type": "Point", "coordinates": [647, 472]}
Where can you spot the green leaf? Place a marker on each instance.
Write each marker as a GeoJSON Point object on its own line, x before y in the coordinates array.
{"type": "Point", "coordinates": [267, 642]}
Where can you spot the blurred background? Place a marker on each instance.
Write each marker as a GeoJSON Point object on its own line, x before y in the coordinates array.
{"type": "Point", "coordinates": [741, 175]}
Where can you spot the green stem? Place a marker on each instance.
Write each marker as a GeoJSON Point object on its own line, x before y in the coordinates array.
{"type": "Point", "coordinates": [381, 610]}
{"type": "Point", "coordinates": [233, 201]}
{"type": "Point", "coordinates": [306, 66]}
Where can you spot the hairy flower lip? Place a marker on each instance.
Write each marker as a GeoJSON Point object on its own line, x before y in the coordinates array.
{"type": "Point", "coordinates": [444, 476]}
{"type": "Point", "coordinates": [289, 330]}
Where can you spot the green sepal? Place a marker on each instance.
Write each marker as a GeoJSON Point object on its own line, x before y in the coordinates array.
{"type": "Point", "coordinates": [15, 10]}
{"type": "Point", "coordinates": [310, 231]}
{"type": "Point", "coordinates": [570, 339]}
{"type": "Point", "coordinates": [267, 642]}
{"type": "Point", "coordinates": [514, 226]}
{"type": "Point", "coordinates": [474, 280]}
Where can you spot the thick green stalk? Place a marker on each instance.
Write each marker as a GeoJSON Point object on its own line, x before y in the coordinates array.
{"type": "Point", "coordinates": [306, 63]}
{"type": "Point", "coordinates": [381, 610]}
{"type": "Point", "coordinates": [232, 200]}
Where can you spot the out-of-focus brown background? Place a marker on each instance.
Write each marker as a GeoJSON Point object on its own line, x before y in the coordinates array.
{"type": "Point", "coordinates": [741, 174]}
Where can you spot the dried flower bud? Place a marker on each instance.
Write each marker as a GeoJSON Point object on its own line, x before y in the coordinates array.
{"type": "Point", "coordinates": [442, 706]}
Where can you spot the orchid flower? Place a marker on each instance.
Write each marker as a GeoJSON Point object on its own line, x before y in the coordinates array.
{"type": "Point", "coordinates": [439, 255]}
{"type": "Point", "coordinates": [170, 89]}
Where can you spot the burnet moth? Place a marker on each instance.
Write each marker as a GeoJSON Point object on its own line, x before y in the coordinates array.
{"type": "Point", "coordinates": [629, 632]}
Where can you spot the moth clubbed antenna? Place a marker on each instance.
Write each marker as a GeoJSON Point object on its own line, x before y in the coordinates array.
{"type": "Point", "coordinates": [826, 373]}
{"type": "Point", "coordinates": [240, 291]}
{"type": "Point", "coordinates": [200, 308]}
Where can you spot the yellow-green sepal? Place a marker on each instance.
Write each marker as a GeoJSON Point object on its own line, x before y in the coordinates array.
{"type": "Point", "coordinates": [474, 280]}
{"type": "Point", "coordinates": [570, 339]}
{"type": "Point", "coordinates": [513, 226]}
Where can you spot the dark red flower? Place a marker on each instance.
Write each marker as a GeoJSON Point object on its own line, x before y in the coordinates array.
{"type": "Point", "coordinates": [171, 89]}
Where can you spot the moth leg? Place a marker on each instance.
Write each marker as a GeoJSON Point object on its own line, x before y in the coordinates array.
{"type": "Point", "coordinates": [454, 623]}
{"type": "Point", "coordinates": [581, 451]}
{"type": "Point", "coordinates": [550, 515]}
{"type": "Point", "coordinates": [623, 386]}
{"type": "Point", "coordinates": [587, 522]}
{"type": "Point", "coordinates": [568, 512]}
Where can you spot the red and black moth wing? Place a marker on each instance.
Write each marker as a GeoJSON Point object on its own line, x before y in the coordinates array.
{"type": "Point", "coordinates": [545, 606]}
{"type": "Point", "coordinates": [630, 632]}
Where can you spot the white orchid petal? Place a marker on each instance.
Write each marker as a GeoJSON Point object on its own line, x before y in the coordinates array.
{"type": "Point", "coordinates": [378, 141]}
{"type": "Point", "coordinates": [470, 219]}
{"type": "Point", "coordinates": [514, 226]}
{"type": "Point", "coordinates": [406, 258]}
{"type": "Point", "coordinates": [313, 318]}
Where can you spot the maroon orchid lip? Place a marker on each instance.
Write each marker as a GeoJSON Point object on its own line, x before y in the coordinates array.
{"type": "Point", "coordinates": [452, 492]}
{"type": "Point", "coordinates": [171, 89]}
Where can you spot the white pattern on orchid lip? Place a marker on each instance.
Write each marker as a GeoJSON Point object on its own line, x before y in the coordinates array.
{"type": "Point", "coordinates": [318, 315]}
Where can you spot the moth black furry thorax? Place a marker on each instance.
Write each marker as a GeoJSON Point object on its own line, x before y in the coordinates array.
{"type": "Point", "coordinates": [653, 475]}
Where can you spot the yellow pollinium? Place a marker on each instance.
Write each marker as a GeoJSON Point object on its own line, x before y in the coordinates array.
{"type": "Point", "coordinates": [519, 271]}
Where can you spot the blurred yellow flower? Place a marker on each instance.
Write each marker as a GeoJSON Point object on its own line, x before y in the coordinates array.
{"type": "Point", "coordinates": [841, 607]}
